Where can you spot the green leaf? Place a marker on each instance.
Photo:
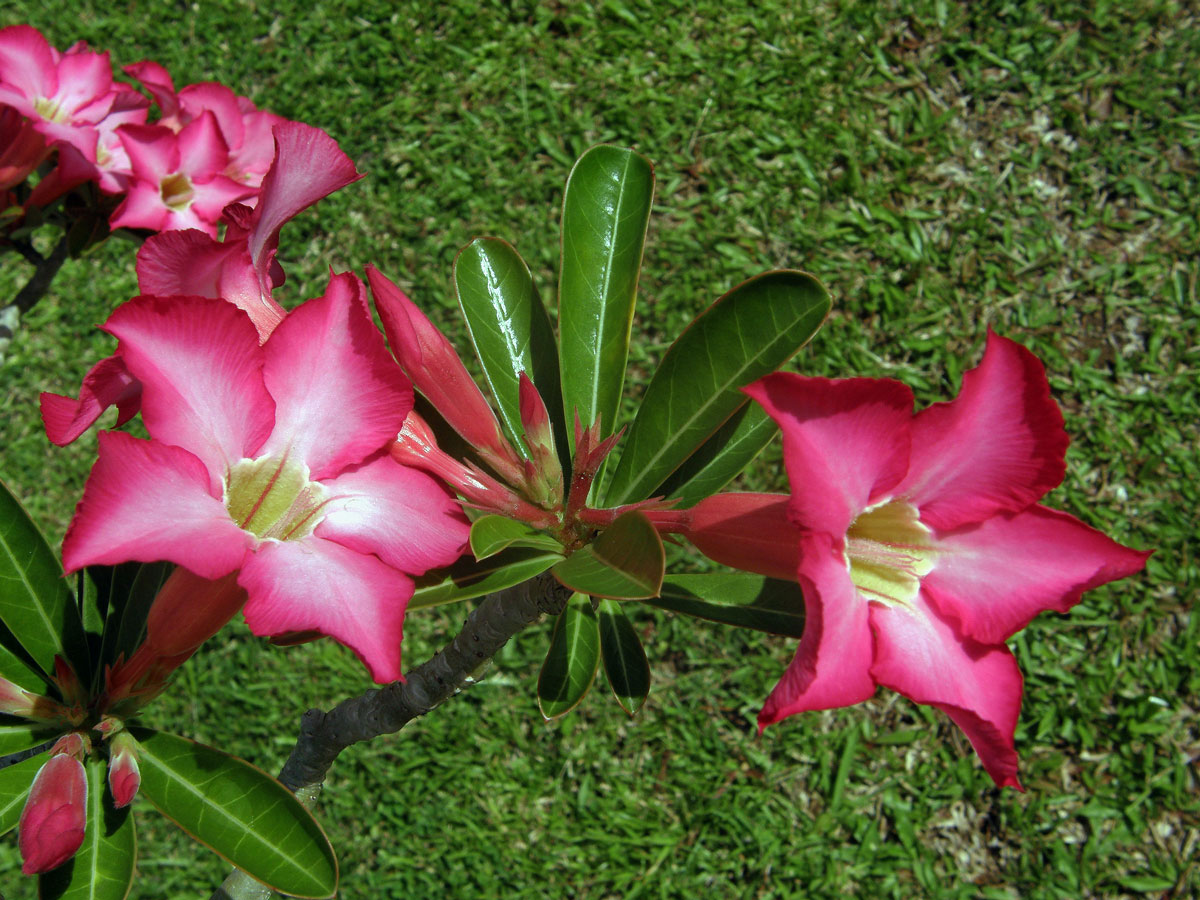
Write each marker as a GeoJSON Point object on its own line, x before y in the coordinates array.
{"type": "Point", "coordinates": [491, 534]}
{"type": "Point", "coordinates": [238, 811]}
{"type": "Point", "coordinates": [15, 667]}
{"type": "Point", "coordinates": [736, 598]}
{"type": "Point", "coordinates": [626, 562]}
{"type": "Point", "coordinates": [624, 659]}
{"type": "Point", "coordinates": [102, 868]}
{"type": "Point", "coordinates": [510, 329]}
{"type": "Point", "coordinates": [25, 736]}
{"type": "Point", "coordinates": [15, 781]}
{"type": "Point", "coordinates": [722, 457]}
{"type": "Point", "coordinates": [746, 334]}
{"type": "Point", "coordinates": [572, 659]}
{"type": "Point", "coordinates": [35, 603]}
{"type": "Point", "coordinates": [467, 578]}
{"type": "Point", "coordinates": [606, 207]}
{"type": "Point", "coordinates": [129, 590]}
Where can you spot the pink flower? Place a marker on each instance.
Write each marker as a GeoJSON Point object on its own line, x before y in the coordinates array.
{"type": "Point", "coordinates": [271, 460]}
{"type": "Point", "coordinates": [922, 544]}
{"type": "Point", "coordinates": [178, 181]}
{"type": "Point", "coordinates": [63, 94]}
{"type": "Point", "coordinates": [55, 813]}
{"type": "Point", "coordinates": [241, 269]}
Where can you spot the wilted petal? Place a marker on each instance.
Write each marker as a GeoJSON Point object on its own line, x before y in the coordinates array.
{"type": "Point", "coordinates": [832, 664]}
{"type": "Point", "coordinates": [978, 685]}
{"type": "Point", "coordinates": [148, 501]}
{"type": "Point", "coordinates": [397, 513]}
{"type": "Point", "coordinates": [339, 395]}
{"type": "Point", "coordinates": [318, 585]}
{"type": "Point", "coordinates": [200, 367]}
{"type": "Point", "coordinates": [997, 447]}
{"type": "Point", "coordinates": [991, 579]}
{"type": "Point", "coordinates": [845, 442]}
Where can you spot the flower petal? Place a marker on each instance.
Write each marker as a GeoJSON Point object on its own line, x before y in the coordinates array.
{"type": "Point", "coordinates": [996, 447]}
{"type": "Point", "coordinates": [318, 585]}
{"type": "Point", "coordinates": [107, 383]}
{"type": "Point", "coordinates": [746, 531]}
{"type": "Point", "coordinates": [993, 578]}
{"type": "Point", "coordinates": [339, 395]}
{"type": "Point", "coordinates": [832, 664]}
{"type": "Point", "coordinates": [201, 372]}
{"type": "Point", "coordinates": [845, 442]}
{"type": "Point", "coordinates": [979, 686]}
{"type": "Point", "coordinates": [401, 515]}
{"type": "Point", "coordinates": [148, 501]}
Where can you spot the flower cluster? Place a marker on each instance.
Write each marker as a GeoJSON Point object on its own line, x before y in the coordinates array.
{"type": "Point", "coordinates": [207, 147]}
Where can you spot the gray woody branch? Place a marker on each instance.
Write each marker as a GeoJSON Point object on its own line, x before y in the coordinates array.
{"type": "Point", "coordinates": [324, 735]}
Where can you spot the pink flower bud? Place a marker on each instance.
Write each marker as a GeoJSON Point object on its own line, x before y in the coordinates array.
{"type": "Point", "coordinates": [429, 360]}
{"type": "Point", "coordinates": [124, 777]}
{"type": "Point", "coordinates": [544, 476]}
{"type": "Point", "coordinates": [55, 814]}
{"type": "Point", "coordinates": [16, 701]}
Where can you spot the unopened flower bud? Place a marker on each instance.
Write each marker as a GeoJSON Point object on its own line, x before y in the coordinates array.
{"type": "Point", "coordinates": [429, 360]}
{"type": "Point", "coordinates": [55, 814]}
{"type": "Point", "coordinates": [544, 477]}
{"type": "Point", "coordinates": [124, 776]}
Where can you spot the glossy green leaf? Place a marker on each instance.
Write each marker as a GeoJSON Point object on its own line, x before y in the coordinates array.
{"type": "Point", "coordinates": [102, 868]}
{"type": "Point", "coordinates": [626, 561]}
{"type": "Point", "coordinates": [572, 660]}
{"type": "Point", "coordinates": [14, 666]}
{"type": "Point", "coordinates": [722, 457]}
{"type": "Point", "coordinates": [15, 781]}
{"type": "Point", "coordinates": [510, 329]}
{"type": "Point", "coordinates": [35, 603]}
{"type": "Point", "coordinates": [746, 334]}
{"type": "Point", "coordinates": [24, 735]}
{"type": "Point", "coordinates": [491, 534]}
{"type": "Point", "coordinates": [467, 578]}
{"type": "Point", "coordinates": [239, 811]}
{"type": "Point", "coordinates": [606, 207]}
{"type": "Point", "coordinates": [625, 661]}
{"type": "Point", "coordinates": [736, 598]}
{"type": "Point", "coordinates": [133, 587]}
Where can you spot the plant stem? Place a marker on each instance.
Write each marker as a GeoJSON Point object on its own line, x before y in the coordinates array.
{"type": "Point", "coordinates": [323, 735]}
{"type": "Point", "coordinates": [36, 288]}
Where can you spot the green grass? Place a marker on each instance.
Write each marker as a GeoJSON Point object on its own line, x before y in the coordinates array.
{"type": "Point", "coordinates": [942, 170]}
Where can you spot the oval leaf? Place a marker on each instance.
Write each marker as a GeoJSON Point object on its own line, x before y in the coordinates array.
{"type": "Point", "coordinates": [624, 659]}
{"type": "Point", "coordinates": [467, 578]}
{"type": "Point", "coordinates": [102, 867]}
{"type": "Point", "coordinates": [626, 562]}
{"type": "Point", "coordinates": [736, 598]}
{"type": "Point", "coordinates": [15, 781]}
{"type": "Point", "coordinates": [16, 668]}
{"type": "Point", "coordinates": [510, 329]}
{"type": "Point", "coordinates": [238, 811]}
{"type": "Point", "coordinates": [572, 659]}
{"type": "Point", "coordinates": [748, 333]}
{"type": "Point", "coordinates": [722, 457]}
{"type": "Point", "coordinates": [606, 207]}
{"type": "Point", "coordinates": [35, 603]}
{"type": "Point", "coordinates": [491, 534]}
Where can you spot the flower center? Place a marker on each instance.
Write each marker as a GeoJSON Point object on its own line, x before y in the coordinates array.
{"type": "Point", "coordinates": [50, 110]}
{"type": "Point", "coordinates": [888, 552]}
{"type": "Point", "coordinates": [177, 192]}
{"type": "Point", "coordinates": [272, 498]}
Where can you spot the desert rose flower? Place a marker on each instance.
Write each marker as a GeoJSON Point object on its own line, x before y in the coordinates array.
{"type": "Point", "coordinates": [177, 178]}
{"type": "Point", "coordinates": [271, 461]}
{"type": "Point", "coordinates": [921, 543]}
{"type": "Point", "coordinates": [241, 269]}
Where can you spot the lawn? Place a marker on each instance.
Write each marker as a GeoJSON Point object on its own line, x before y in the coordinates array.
{"type": "Point", "coordinates": [943, 167]}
